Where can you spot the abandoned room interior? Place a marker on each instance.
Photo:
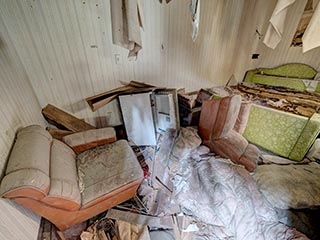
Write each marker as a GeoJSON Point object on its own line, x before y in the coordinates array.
{"type": "Point", "coordinates": [159, 119]}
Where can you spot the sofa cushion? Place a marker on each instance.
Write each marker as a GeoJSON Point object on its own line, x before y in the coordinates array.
{"type": "Point", "coordinates": [64, 190]}
{"type": "Point", "coordinates": [106, 168]}
{"type": "Point", "coordinates": [219, 118]}
{"type": "Point", "coordinates": [31, 150]}
{"type": "Point", "coordinates": [229, 108]}
{"type": "Point", "coordinates": [274, 130]}
{"type": "Point", "coordinates": [85, 140]}
{"type": "Point", "coordinates": [232, 146]}
{"type": "Point", "coordinates": [25, 182]}
{"type": "Point", "coordinates": [27, 172]}
{"type": "Point", "coordinates": [243, 117]}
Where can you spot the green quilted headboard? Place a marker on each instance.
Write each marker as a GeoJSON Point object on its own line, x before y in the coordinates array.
{"type": "Point", "coordinates": [294, 75]}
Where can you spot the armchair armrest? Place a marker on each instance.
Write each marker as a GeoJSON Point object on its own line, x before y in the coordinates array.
{"type": "Point", "coordinates": [82, 141]}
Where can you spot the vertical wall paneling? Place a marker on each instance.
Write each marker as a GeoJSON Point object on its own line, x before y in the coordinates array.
{"type": "Point", "coordinates": [61, 52]}
{"type": "Point", "coordinates": [70, 55]}
{"type": "Point", "coordinates": [19, 107]}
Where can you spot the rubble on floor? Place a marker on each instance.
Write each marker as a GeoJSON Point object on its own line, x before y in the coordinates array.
{"type": "Point", "coordinates": [185, 194]}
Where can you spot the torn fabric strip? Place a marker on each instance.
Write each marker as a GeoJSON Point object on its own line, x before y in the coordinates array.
{"type": "Point", "coordinates": [195, 15]}
{"type": "Point", "coordinates": [311, 37]}
{"type": "Point", "coordinates": [276, 26]}
{"type": "Point", "coordinates": [127, 18]}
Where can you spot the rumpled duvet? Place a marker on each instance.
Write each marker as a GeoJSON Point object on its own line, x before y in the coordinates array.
{"type": "Point", "coordinates": [224, 197]}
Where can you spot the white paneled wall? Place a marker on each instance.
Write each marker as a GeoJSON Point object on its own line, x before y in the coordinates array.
{"type": "Point", "coordinates": [19, 107]}
{"type": "Point", "coordinates": [60, 52]}
{"type": "Point", "coordinates": [66, 48]}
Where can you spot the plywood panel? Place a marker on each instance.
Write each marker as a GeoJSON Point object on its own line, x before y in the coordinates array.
{"type": "Point", "coordinates": [19, 107]}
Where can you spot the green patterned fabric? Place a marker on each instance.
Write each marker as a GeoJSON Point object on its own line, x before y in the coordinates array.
{"type": "Point", "coordinates": [293, 75]}
{"type": "Point", "coordinates": [306, 139]}
{"type": "Point", "coordinates": [274, 130]}
{"type": "Point", "coordinates": [278, 81]}
{"type": "Point", "coordinates": [293, 70]}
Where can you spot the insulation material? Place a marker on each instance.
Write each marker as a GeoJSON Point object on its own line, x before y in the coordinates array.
{"type": "Point", "coordinates": [129, 231]}
{"type": "Point", "coordinates": [225, 200]}
{"type": "Point", "coordinates": [277, 23]}
{"type": "Point", "coordinates": [127, 18]}
{"type": "Point", "coordinates": [311, 37]}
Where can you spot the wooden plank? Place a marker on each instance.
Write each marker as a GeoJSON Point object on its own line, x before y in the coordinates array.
{"type": "Point", "coordinates": [65, 120]}
{"type": "Point", "coordinates": [112, 94]}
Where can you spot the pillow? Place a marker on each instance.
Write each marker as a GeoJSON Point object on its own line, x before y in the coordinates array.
{"type": "Point", "coordinates": [85, 140]}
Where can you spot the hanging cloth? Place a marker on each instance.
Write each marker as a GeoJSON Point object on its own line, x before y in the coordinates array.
{"type": "Point", "coordinates": [195, 16]}
{"type": "Point", "coordinates": [276, 26]}
{"type": "Point", "coordinates": [311, 37]}
{"type": "Point", "coordinates": [127, 18]}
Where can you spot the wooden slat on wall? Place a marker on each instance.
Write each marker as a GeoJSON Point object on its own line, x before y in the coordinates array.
{"type": "Point", "coordinates": [67, 51]}
{"type": "Point", "coordinates": [19, 108]}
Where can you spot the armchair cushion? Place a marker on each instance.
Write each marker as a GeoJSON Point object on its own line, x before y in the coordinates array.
{"type": "Point", "coordinates": [28, 169]}
{"type": "Point", "coordinates": [82, 141]}
{"type": "Point", "coordinates": [216, 128]}
{"type": "Point", "coordinates": [64, 189]}
{"type": "Point", "coordinates": [226, 116]}
{"type": "Point", "coordinates": [105, 169]}
{"type": "Point", "coordinates": [243, 117]}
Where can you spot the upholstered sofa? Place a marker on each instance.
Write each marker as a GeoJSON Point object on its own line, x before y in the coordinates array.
{"type": "Point", "coordinates": [46, 176]}
{"type": "Point", "coordinates": [222, 122]}
{"type": "Point", "coordinates": [286, 134]}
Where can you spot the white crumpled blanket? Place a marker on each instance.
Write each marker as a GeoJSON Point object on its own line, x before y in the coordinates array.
{"type": "Point", "coordinates": [224, 197]}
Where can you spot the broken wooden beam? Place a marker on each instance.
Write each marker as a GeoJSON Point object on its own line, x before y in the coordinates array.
{"type": "Point", "coordinates": [61, 119]}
